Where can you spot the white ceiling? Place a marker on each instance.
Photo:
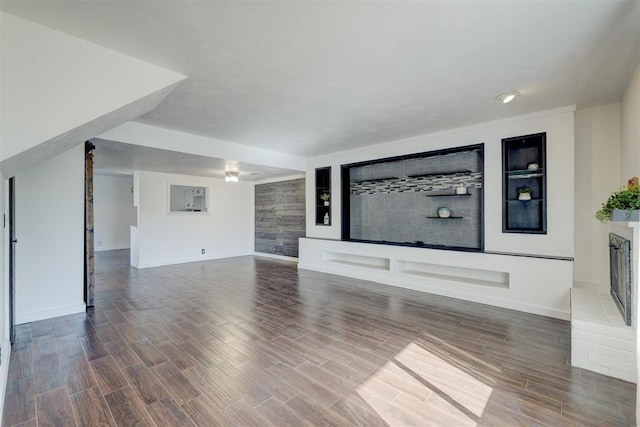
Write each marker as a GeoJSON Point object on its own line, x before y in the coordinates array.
{"type": "Point", "coordinates": [308, 78]}
{"type": "Point", "coordinates": [117, 158]}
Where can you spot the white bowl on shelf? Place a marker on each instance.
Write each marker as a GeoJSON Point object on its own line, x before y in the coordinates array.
{"type": "Point", "coordinates": [444, 212]}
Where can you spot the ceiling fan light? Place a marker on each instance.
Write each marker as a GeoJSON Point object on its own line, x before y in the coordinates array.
{"type": "Point", "coordinates": [231, 176]}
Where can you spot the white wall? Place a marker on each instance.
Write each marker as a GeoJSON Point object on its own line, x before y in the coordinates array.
{"type": "Point", "coordinates": [113, 211]}
{"type": "Point", "coordinates": [547, 295]}
{"type": "Point", "coordinates": [71, 88]}
{"type": "Point", "coordinates": [4, 291]}
{"type": "Point", "coordinates": [4, 260]}
{"type": "Point", "coordinates": [163, 238]}
{"type": "Point", "coordinates": [597, 170]}
{"type": "Point", "coordinates": [630, 129]}
{"type": "Point", "coordinates": [559, 126]}
{"type": "Point", "coordinates": [50, 233]}
{"type": "Point", "coordinates": [630, 166]}
{"type": "Point", "coordinates": [4, 301]}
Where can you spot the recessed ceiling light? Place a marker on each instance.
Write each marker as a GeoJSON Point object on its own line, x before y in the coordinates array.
{"type": "Point", "coordinates": [506, 98]}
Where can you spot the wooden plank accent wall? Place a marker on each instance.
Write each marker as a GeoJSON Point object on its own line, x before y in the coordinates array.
{"type": "Point", "coordinates": [280, 217]}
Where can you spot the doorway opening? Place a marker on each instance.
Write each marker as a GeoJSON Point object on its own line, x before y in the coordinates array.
{"type": "Point", "coordinates": [109, 215]}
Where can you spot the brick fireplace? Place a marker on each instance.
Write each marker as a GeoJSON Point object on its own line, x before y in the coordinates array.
{"type": "Point", "coordinates": [601, 341]}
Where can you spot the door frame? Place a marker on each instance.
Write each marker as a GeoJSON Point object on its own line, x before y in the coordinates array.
{"type": "Point", "coordinates": [12, 258]}
{"type": "Point", "coordinates": [89, 256]}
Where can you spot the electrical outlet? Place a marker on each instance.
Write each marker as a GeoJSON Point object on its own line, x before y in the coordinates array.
{"type": "Point", "coordinates": [99, 243]}
{"type": "Point", "coordinates": [203, 252]}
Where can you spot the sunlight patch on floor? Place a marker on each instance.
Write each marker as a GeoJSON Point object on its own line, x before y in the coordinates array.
{"type": "Point", "coordinates": [419, 387]}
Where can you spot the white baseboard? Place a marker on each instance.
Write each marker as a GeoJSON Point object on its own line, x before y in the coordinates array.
{"type": "Point", "coordinates": [48, 314]}
{"type": "Point", "coordinates": [4, 373]}
{"type": "Point", "coordinates": [282, 257]}
{"type": "Point", "coordinates": [174, 261]}
{"type": "Point", "coordinates": [110, 248]}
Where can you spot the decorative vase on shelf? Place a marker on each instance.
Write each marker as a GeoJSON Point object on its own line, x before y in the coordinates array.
{"type": "Point", "coordinates": [444, 212]}
{"type": "Point", "coordinates": [533, 166]}
{"type": "Point", "coordinates": [524, 193]}
{"type": "Point", "coordinates": [326, 203]}
{"type": "Point", "coordinates": [326, 219]}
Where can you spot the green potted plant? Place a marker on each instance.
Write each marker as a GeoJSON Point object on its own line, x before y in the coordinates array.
{"type": "Point", "coordinates": [524, 193]}
{"type": "Point", "coordinates": [623, 205]}
{"type": "Point", "coordinates": [325, 198]}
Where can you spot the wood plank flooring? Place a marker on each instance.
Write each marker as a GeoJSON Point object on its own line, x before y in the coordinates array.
{"type": "Point", "coordinates": [250, 341]}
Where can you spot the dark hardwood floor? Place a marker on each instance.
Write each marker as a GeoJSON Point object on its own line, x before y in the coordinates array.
{"type": "Point", "coordinates": [251, 341]}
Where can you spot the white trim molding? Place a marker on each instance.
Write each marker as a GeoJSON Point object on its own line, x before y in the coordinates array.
{"type": "Point", "coordinates": [281, 257]}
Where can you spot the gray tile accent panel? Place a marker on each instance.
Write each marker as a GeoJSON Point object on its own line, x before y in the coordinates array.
{"type": "Point", "coordinates": [389, 205]}
{"type": "Point", "coordinates": [441, 182]}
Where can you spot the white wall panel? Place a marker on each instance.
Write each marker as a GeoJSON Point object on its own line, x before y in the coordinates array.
{"type": "Point", "coordinates": [113, 211]}
{"type": "Point", "coordinates": [164, 238]}
{"type": "Point", "coordinates": [50, 233]}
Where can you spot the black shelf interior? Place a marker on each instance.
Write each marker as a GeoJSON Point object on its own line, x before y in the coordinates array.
{"type": "Point", "coordinates": [383, 200]}
{"type": "Point", "coordinates": [323, 186]}
{"type": "Point", "coordinates": [518, 154]}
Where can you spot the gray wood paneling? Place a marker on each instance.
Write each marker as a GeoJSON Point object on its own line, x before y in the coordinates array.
{"type": "Point", "coordinates": [280, 217]}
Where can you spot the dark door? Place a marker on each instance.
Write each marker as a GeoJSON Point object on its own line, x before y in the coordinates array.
{"type": "Point", "coordinates": [12, 257]}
